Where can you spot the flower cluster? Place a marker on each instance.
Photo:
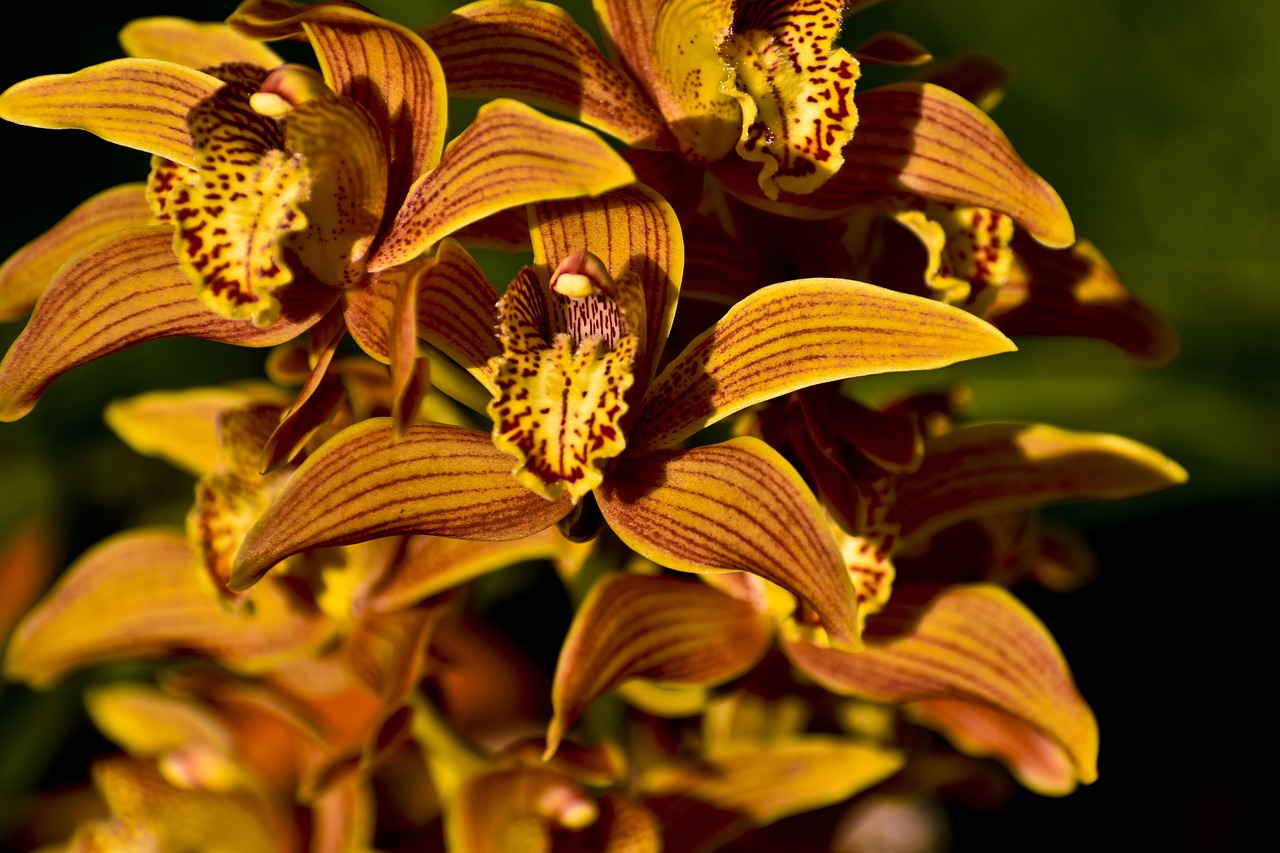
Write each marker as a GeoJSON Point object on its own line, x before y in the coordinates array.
{"type": "Point", "coordinates": [779, 585]}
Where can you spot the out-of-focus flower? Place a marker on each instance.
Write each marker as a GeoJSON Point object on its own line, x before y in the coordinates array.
{"type": "Point", "coordinates": [279, 193]}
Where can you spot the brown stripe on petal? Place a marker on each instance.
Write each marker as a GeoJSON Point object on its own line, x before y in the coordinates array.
{"type": "Point", "coordinates": [511, 155]}
{"type": "Point", "coordinates": [974, 644]}
{"type": "Point", "coordinates": [123, 290]}
{"type": "Point", "coordinates": [365, 484]}
{"type": "Point", "coordinates": [795, 334]}
{"type": "Point", "coordinates": [28, 271]}
{"type": "Point", "coordinates": [536, 53]}
{"type": "Point", "coordinates": [457, 310]}
{"type": "Point", "coordinates": [662, 628]}
{"type": "Point", "coordinates": [736, 506]}
{"type": "Point", "coordinates": [138, 103]}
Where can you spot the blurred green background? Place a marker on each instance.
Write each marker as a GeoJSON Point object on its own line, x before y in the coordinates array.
{"type": "Point", "coordinates": [1157, 123]}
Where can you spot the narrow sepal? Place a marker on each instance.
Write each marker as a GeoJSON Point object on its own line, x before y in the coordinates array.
{"type": "Point", "coordinates": [28, 271]}
{"type": "Point", "coordinates": [974, 644]}
{"type": "Point", "coordinates": [364, 484]}
{"type": "Point", "coordinates": [736, 506]}
{"type": "Point", "coordinates": [194, 44]}
{"type": "Point", "coordinates": [535, 52]}
{"type": "Point", "coordinates": [791, 335]}
{"type": "Point", "coordinates": [138, 103]}
{"type": "Point", "coordinates": [140, 595]}
{"type": "Point", "coordinates": [510, 155]}
{"type": "Point", "coordinates": [660, 628]}
{"type": "Point", "coordinates": [1002, 466]}
{"type": "Point", "coordinates": [126, 289]}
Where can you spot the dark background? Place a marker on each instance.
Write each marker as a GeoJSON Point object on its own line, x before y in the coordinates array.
{"type": "Point", "coordinates": [1157, 123]}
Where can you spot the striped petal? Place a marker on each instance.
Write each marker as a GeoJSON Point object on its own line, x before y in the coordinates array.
{"type": "Point", "coordinates": [1075, 292]}
{"type": "Point", "coordinates": [140, 595]}
{"type": "Point", "coordinates": [921, 139]}
{"type": "Point", "coordinates": [434, 564]}
{"type": "Point", "coordinates": [792, 335]}
{"type": "Point", "coordinates": [792, 775]}
{"type": "Point", "coordinates": [995, 467]}
{"type": "Point", "coordinates": [634, 232]}
{"type": "Point", "coordinates": [364, 484]}
{"type": "Point", "coordinates": [123, 290]}
{"type": "Point", "coordinates": [971, 644]}
{"type": "Point", "coordinates": [138, 103]}
{"type": "Point", "coordinates": [28, 271]}
{"type": "Point", "coordinates": [660, 628]}
{"type": "Point", "coordinates": [382, 66]}
{"type": "Point", "coordinates": [510, 155]}
{"type": "Point", "coordinates": [196, 45]}
{"type": "Point", "coordinates": [736, 506]}
{"type": "Point", "coordinates": [535, 52]}
{"type": "Point", "coordinates": [316, 404]}
{"type": "Point", "coordinates": [795, 89]}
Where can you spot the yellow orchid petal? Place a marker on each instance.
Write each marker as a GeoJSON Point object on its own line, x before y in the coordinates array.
{"type": "Point", "coordinates": [364, 484]}
{"type": "Point", "coordinates": [795, 334]}
{"type": "Point", "coordinates": [510, 155]}
{"type": "Point", "coordinates": [790, 776]}
{"type": "Point", "coordinates": [138, 103]}
{"type": "Point", "coordinates": [736, 506]}
{"type": "Point", "coordinates": [1038, 761]}
{"type": "Point", "coordinates": [434, 564]}
{"type": "Point", "coordinates": [633, 232]}
{"type": "Point", "coordinates": [123, 290]}
{"type": "Point", "coordinates": [994, 467]}
{"type": "Point", "coordinates": [410, 372]}
{"type": "Point", "coordinates": [535, 52]}
{"type": "Point", "coordinates": [561, 391]}
{"type": "Point", "coordinates": [196, 45]}
{"type": "Point", "coordinates": [891, 49]}
{"type": "Point", "coordinates": [316, 404]}
{"type": "Point", "coordinates": [343, 817]}
{"type": "Point", "coordinates": [181, 427]}
{"type": "Point", "coordinates": [515, 808]}
{"type": "Point", "coordinates": [975, 644]}
{"type": "Point", "coordinates": [140, 595]}
{"type": "Point", "coordinates": [921, 139]}
{"type": "Point", "coordinates": [659, 628]}
{"type": "Point", "coordinates": [795, 90]}
{"type": "Point", "coordinates": [380, 65]}
{"type": "Point", "coordinates": [384, 651]}
{"type": "Point", "coordinates": [175, 819]}
{"type": "Point", "coordinates": [1075, 292]}
{"type": "Point", "coordinates": [28, 271]}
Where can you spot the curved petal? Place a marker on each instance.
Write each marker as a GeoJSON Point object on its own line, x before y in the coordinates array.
{"type": "Point", "coordinates": [510, 155]}
{"type": "Point", "coordinates": [659, 628]}
{"type": "Point", "coordinates": [793, 775]}
{"type": "Point", "coordinates": [975, 644]}
{"type": "Point", "coordinates": [140, 595]}
{"type": "Point", "coordinates": [434, 564]}
{"type": "Point", "coordinates": [386, 68]}
{"type": "Point", "coordinates": [364, 484]}
{"type": "Point", "coordinates": [515, 808]}
{"type": "Point", "coordinates": [800, 333]}
{"type": "Point", "coordinates": [138, 103]}
{"type": "Point", "coordinates": [537, 53]}
{"type": "Point", "coordinates": [123, 290]}
{"type": "Point", "coordinates": [1076, 293]}
{"type": "Point", "coordinates": [924, 140]}
{"type": "Point", "coordinates": [196, 45]}
{"type": "Point", "coordinates": [316, 404]}
{"type": "Point", "coordinates": [634, 232]}
{"type": "Point", "coordinates": [994, 467]}
{"type": "Point", "coordinates": [736, 506]}
{"type": "Point", "coordinates": [28, 271]}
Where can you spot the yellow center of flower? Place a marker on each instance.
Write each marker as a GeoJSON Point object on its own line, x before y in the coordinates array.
{"type": "Point", "coordinates": [568, 360]}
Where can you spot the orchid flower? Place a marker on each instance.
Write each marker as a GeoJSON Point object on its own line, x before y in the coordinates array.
{"type": "Point", "coordinates": [577, 404]}
{"type": "Point", "coordinates": [717, 85]}
{"type": "Point", "coordinates": [276, 194]}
